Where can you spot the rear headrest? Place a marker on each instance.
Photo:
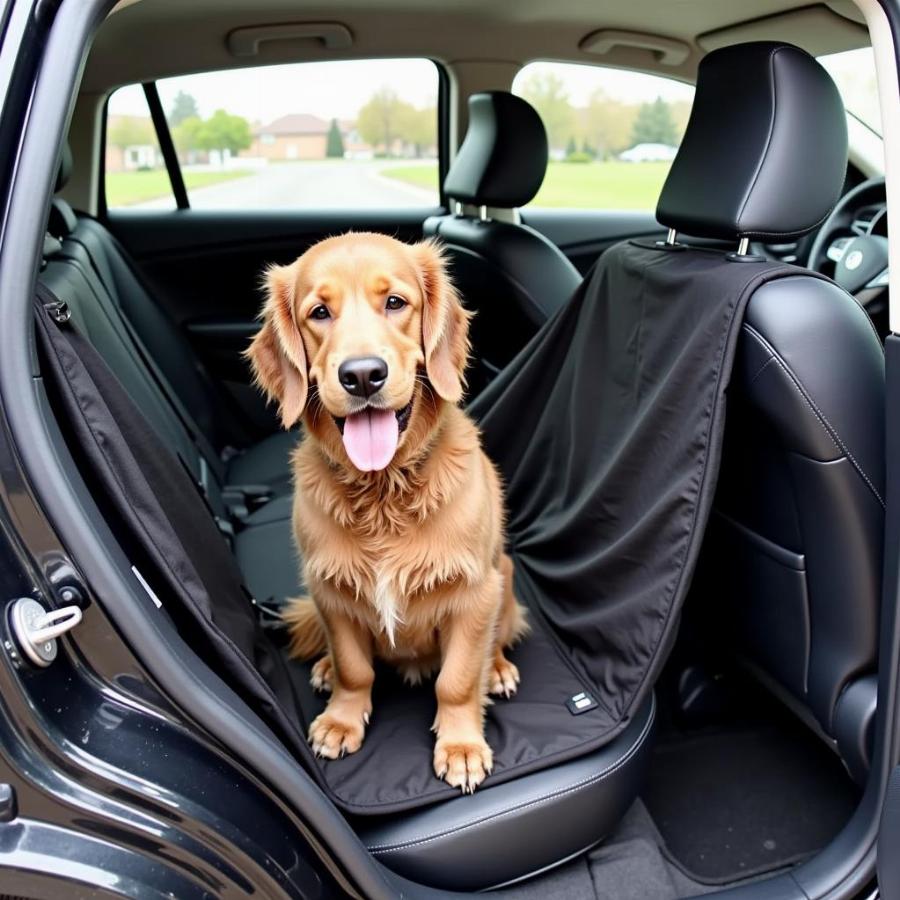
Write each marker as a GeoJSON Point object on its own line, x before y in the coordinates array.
{"type": "Point", "coordinates": [765, 151]}
{"type": "Point", "coordinates": [65, 168]}
{"type": "Point", "coordinates": [503, 159]}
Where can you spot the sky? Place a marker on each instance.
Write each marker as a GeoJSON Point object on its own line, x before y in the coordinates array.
{"type": "Point", "coordinates": [327, 89]}
{"type": "Point", "coordinates": [628, 87]}
{"type": "Point", "coordinates": [339, 89]}
{"type": "Point", "coordinates": [854, 74]}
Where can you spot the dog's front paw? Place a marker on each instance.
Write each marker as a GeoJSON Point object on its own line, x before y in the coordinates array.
{"type": "Point", "coordinates": [332, 736]}
{"type": "Point", "coordinates": [463, 764]}
{"type": "Point", "coordinates": [503, 678]}
{"type": "Point", "coordinates": [321, 675]}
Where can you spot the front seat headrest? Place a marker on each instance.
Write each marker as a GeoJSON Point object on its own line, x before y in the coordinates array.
{"type": "Point", "coordinates": [765, 151]}
{"type": "Point", "coordinates": [503, 159]}
{"type": "Point", "coordinates": [65, 168]}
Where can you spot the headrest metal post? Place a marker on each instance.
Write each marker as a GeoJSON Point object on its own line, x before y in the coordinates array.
{"type": "Point", "coordinates": [672, 237]}
{"type": "Point", "coordinates": [483, 213]}
{"type": "Point", "coordinates": [458, 209]}
{"type": "Point", "coordinates": [743, 246]}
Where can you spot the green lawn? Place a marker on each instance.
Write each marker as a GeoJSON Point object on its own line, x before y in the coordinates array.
{"type": "Point", "coordinates": [126, 188]}
{"type": "Point", "coordinates": [598, 185]}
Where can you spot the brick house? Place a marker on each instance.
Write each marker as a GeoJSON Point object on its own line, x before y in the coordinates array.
{"type": "Point", "coordinates": [295, 136]}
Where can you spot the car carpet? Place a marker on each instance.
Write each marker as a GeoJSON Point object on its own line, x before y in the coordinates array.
{"type": "Point", "coordinates": [733, 803]}
{"type": "Point", "coordinates": [628, 865]}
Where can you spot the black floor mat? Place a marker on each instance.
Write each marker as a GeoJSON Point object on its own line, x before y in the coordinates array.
{"type": "Point", "coordinates": [730, 804]}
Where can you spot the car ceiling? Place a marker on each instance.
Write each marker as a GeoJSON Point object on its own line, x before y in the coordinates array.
{"type": "Point", "coordinates": [146, 39]}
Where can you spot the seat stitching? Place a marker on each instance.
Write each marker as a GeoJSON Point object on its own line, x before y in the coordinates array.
{"type": "Point", "coordinates": [553, 795]}
{"type": "Point", "coordinates": [823, 421]}
{"type": "Point", "coordinates": [763, 367]}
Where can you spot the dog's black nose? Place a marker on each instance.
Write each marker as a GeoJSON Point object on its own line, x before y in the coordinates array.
{"type": "Point", "coordinates": [362, 376]}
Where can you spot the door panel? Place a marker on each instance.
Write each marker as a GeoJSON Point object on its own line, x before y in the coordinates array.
{"type": "Point", "coordinates": [205, 267]}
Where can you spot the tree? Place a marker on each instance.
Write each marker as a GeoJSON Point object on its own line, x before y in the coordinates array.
{"type": "Point", "coordinates": [681, 112]}
{"type": "Point", "coordinates": [223, 131]}
{"type": "Point", "coordinates": [383, 119]}
{"type": "Point", "coordinates": [606, 124]}
{"type": "Point", "coordinates": [418, 127]}
{"type": "Point", "coordinates": [187, 135]}
{"type": "Point", "coordinates": [654, 124]}
{"type": "Point", "coordinates": [572, 146]}
{"type": "Point", "coordinates": [130, 131]}
{"type": "Point", "coordinates": [546, 92]}
{"type": "Point", "coordinates": [184, 106]}
{"type": "Point", "coordinates": [334, 143]}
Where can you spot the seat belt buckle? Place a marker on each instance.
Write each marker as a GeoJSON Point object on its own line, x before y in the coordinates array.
{"type": "Point", "coordinates": [243, 499]}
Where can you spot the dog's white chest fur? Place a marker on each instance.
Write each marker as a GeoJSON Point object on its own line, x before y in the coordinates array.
{"type": "Point", "coordinates": [386, 605]}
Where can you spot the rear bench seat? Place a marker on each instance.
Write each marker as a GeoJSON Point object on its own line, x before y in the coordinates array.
{"type": "Point", "coordinates": [256, 524]}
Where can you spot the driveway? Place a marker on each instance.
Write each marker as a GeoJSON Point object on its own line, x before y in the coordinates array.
{"type": "Point", "coordinates": [341, 184]}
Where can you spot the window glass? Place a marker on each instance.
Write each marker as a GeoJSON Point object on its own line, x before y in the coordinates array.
{"type": "Point", "coordinates": [135, 172]}
{"type": "Point", "coordinates": [613, 133]}
{"type": "Point", "coordinates": [353, 134]}
{"type": "Point", "coordinates": [853, 72]}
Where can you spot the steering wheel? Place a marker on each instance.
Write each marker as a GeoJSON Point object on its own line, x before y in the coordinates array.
{"type": "Point", "coordinates": [852, 247]}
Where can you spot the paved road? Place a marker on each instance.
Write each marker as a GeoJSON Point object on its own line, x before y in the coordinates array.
{"type": "Point", "coordinates": [308, 185]}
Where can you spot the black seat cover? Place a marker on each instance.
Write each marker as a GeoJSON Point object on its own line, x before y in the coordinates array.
{"type": "Point", "coordinates": [792, 566]}
{"type": "Point", "coordinates": [509, 273]}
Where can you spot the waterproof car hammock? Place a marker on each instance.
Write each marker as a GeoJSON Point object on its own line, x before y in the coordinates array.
{"type": "Point", "coordinates": [608, 431]}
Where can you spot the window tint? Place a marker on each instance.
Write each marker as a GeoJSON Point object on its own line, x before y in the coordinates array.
{"type": "Point", "coordinates": [135, 171]}
{"type": "Point", "coordinates": [613, 133]}
{"type": "Point", "coordinates": [357, 134]}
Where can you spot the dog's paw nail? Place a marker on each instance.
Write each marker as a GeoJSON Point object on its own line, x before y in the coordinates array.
{"type": "Point", "coordinates": [366, 718]}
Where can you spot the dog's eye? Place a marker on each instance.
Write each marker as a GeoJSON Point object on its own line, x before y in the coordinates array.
{"type": "Point", "coordinates": [394, 302]}
{"type": "Point", "coordinates": [320, 312]}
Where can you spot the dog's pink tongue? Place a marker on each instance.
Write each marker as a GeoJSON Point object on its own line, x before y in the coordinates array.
{"type": "Point", "coordinates": [370, 438]}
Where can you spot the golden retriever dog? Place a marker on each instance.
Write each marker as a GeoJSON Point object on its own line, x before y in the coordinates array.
{"type": "Point", "coordinates": [398, 513]}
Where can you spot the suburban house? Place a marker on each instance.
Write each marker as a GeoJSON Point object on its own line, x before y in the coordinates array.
{"type": "Point", "coordinates": [131, 144]}
{"type": "Point", "coordinates": [302, 136]}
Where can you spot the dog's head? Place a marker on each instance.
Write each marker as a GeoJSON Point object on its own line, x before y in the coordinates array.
{"type": "Point", "coordinates": [367, 336]}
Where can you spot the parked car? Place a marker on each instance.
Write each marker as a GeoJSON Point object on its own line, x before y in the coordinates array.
{"type": "Point", "coordinates": [717, 712]}
{"type": "Point", "coordinates": [649, 153]}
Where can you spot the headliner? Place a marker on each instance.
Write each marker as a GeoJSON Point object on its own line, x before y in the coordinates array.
{"type": "Point", "coordinates": [146, 39]}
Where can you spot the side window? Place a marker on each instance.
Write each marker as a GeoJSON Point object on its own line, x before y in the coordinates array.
{"type": "Point", "coordinates": [613, 133]}
{"type": "Point", "coordinates": [135, 172]}
{"type": "Point", "coordinates": [354, 134]}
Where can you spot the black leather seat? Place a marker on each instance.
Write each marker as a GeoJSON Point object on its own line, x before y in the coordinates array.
{"type": "Point", "coordinates": [87, 243]}
{"type": "Point", "coordinates": [508, 832]}
{"type": "Point", "coordinates": [509, 273]}
{"type": "Point", "coordinates": [790, 576]}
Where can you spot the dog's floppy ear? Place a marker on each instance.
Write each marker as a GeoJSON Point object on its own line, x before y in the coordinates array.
{"type": "Point", "coordinates": [445, 324]}
{"type": "Point", "coordinates": [277, 355]}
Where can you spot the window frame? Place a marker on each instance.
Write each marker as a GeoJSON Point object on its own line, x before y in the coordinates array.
{"type": "Point", "coordinates": [173, 167]}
